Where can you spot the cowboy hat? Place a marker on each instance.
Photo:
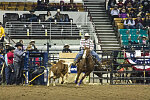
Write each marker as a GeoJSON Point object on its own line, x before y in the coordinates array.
{"type": "Point", "coordinates": [66, 45]}
{"type": "Point", "coordinates": [144, 36]}
{"type": "Point", "coordinates": [32, 41]}
{"type": "Point", "coordinates": [11, 48]}
{"type": "Point", "coordinates": [18, 44]}
{"type": "Point", "coordinates": [86, 35]}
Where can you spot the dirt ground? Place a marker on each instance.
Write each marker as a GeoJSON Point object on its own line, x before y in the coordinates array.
{"type": "Point", "coordinates": [71, 92]}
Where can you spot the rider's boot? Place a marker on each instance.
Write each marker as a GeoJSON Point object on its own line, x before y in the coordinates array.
{"type": "Point", "coordinates": [75, 62]}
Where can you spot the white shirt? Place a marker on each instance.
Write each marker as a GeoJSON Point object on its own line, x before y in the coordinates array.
{"type": "Point", "coordinates": [129, 22]}
{"type": "Point", "coordinates": [115, 12]}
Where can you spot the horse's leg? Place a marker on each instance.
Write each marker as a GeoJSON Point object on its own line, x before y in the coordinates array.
{"type": "Point", "coordinates": [49, 76]}
{"type": "Point", "coordinates": [54, 81]}
{"type": "Point", "coordinates": [86, 74]}
{"type": "Point", "coordinates": [62, 76]}
{"type": "Point", "coordinates": [78, 74]}
{"type": "Point", "coordinates": [66, 76]}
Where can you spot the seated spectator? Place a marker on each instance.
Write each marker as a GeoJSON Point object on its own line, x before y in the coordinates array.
{"type": "Point", "coordinates": [146, 5]}
{"type": "Point", "coordinates": [124, 7]}
{"type": "Point", "coordinates": [111, 3]}
{"type": "Point", "coordinates": [144, 40]}
{"type": "Point", "coordinates": [33, 17]}
{"type": "Point", "coordinates": [129, 5]}
{"type": "Point", "coordinates": [136, 4]}
{"type": "Point", "coordinates": [127, 1]}
{"type": "Point", "coordinates": [123, 14]}
{"type": "Point", "coordinates": [120, 4]}
{"type": "Point", "coordinates": [132, 13]}
{"type": "Point", "coordinates": [54, 7]}
{"type": "Point", "coordinates": [72, 7]}
{"type": "Point", "coordinates": [115, 12]}
{"type": "Point", "coordinates": [31, 46]}
{"type": "Point", "coordinates": [48, 17]}
{"type": "Point", "coordinates": [139, 23]}
{"type": "Point", "coordinates": [62, 6]}
{"type": "Point", "coordinates": [66, 49]}
{"type": "Point", "coordinates": [129, 23]}
{"type": "Point", "coordinates": [66, 16]}
{"type": "Point", "coordinates": [140, 12]}
{"type": "Point", "coordinates": [58, 16]}
{"type": "Point", "coordinates": [147, 21]}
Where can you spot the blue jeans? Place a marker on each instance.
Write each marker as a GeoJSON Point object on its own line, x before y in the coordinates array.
{"type": "Point", "coordinates": [17, 66]}
{"type": "Point", "coordinates": [139, 26]}
{"type": "Point", "coordinates": [9, 75]}
{"type": "Point", "coordinates": [129, 27]}
{"type": "Point", "coordinates": [93, 53]}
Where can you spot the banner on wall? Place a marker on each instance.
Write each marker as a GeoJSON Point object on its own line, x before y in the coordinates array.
{"type": "Point", "coordinates": [137, 58]}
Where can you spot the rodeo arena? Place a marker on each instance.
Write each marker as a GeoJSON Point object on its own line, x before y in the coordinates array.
{"type": "Point", "coordinates": [75, 49]}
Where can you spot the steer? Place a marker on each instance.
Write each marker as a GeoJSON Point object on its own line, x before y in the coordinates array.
{"type": "Point", "coordinates": [58, 70]}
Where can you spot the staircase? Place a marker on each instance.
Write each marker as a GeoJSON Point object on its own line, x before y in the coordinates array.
{"type": "Point", "coordinates": [105, 32]}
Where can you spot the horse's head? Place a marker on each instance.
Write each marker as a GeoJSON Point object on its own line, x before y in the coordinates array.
{"type": "Point", "coordinates": [86, 53]}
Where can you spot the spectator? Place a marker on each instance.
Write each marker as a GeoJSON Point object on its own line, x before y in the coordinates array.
{"type": "Point", "coordinates": [140, 12]}
{"type": "Point", "coordinates": [33, 17]}
{"type": "Point", "coordinates": [66, 49]}
{"type": "Point", "coordinates": [18, 56]}
{"type": "Point", "coordinates": [9, 70]}
{"type": "Point", "coordinates": [139, 23]}
{"type": "Point", "coordinates": [66, 18]}
{"type": "Point", "coordinates": [115, 13]}
{"type": "Point", "coordinates": [54, 7]}
{"type": "Point", "coordinates": [132, 13]}
{"type": "Point", "coordinates": [146, 5]}
{"type": "Point", "coordinates": [129, 23]}
{"type": "Point", "coordinates": [136, 4]}
{"type": "Point", "coordinates": [124, 7]}
{"type": "Point", "coordinates": [21, 41]}
{"type": "Point", "coordinates": [72, 7]}
{"type": "Point", "coordinates": [123, 14]}
{"type": "Point", "coordinates": [147, 21]}
{"type": "Point", "coordinates": [129, 5]}
{"type": "Point", "coordinates": [58, 16]}
{"type": "Point", "coordinates": [2, 35]}
{"type": "Point", "coordinates": [120, 4]}
{"type": "Point", "coordinates": [31, 46]}
{"type": "Point", "coordinates": [144, 40]}
{"type": "Point", "coordinates": [111, 3]}
{"type": "Point", "coordinates": [127, 1]}
{"type": "Point", "coordinates": [48, 17]}
{"type": "Point", "coordinates": [62, 6]}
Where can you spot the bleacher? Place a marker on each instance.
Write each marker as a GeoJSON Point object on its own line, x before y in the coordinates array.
{"type": "Point", "coordinates": [131, 35]}
{"type": "Point", "coordinates": [27, 6]}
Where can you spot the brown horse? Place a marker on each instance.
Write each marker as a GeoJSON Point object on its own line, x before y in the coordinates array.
{"type": "Point", "coordinates": [85, 65]}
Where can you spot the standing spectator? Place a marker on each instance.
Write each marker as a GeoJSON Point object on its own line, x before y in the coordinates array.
{"type": "Point", "coordinates": [66, 49]}
{"type": "Point", "coordinates": [18, 56]}
{"type": "Point", "coordinates": [120, 4]}
{"type": "Point", "coordinates": [9, 70]}
{"type": "Point", "coordinates": [23, 47]}
{"type": "Point", "coordinates": [31, 46]}
{"type": "Point", "coordinates": [123, 14]}
{"type": "Point", "coordinates": [129, 5]}
{"type": "Point", "coordinates": [33, 17]}
{"type": "Point", "coordinates": [48, 17]}
{"type": "Point", "coordinates": [2, 35]}
{"type": "Point", "coordinates": [139, 23]}
{"type": "Point", "coordinates": [132, 13]}
{"type": "Point", "coordinates": [115, 13]}
{"type": "Point", "coordinates": [129, 23]}
{"type": "Point", "coordinates": [111, 3]}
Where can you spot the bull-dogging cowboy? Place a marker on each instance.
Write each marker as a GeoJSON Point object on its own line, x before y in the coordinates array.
{"type": "Point", "coordinates": [18, 56]}
{"type": "Point", "coordinates": [86, 43]}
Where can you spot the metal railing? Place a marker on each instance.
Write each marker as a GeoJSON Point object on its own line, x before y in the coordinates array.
{"type": "Point", "coordinates": [48, 29]}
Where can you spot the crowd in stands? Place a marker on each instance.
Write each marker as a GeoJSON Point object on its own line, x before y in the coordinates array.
{"type": "Point", "coordinates": [135, 14]}
{"type": "Point", "coordinates": [45, 6]}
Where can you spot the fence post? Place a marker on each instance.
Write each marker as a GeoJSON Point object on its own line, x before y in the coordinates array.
{"type": "Point", "coordinates": [111, 70]}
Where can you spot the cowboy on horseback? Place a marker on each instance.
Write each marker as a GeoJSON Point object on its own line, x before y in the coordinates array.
{"type": "Point", "coordinates": [86, 43]}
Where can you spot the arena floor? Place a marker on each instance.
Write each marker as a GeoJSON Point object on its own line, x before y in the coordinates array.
{"type": "Point", "coordinates": [71, 92]}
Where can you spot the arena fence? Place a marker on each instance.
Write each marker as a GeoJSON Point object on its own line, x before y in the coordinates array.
{"type": "Point", "coordinates": [126, 67]}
